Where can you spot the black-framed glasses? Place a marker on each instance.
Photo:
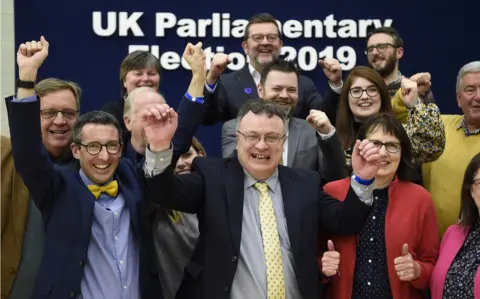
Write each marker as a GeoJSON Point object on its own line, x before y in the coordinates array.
{"type": "Point", "coordinates": [391, 147]}
{"type": "Point", "coordinates": [94, 148]}
{"type": "Point", "coordinates": [357, 92]}
{"type": "Point", "coordinates": [254, 137]}
{"type": "Point", "coordinates": [66, 113]}
{"type": "Point", "coordinates": [381, 48]}
{"type": "Point", "coordinates": [259, 37]}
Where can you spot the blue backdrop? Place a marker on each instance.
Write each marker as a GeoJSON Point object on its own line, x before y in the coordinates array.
{"type": "Point", "coordinates": [439, 38]}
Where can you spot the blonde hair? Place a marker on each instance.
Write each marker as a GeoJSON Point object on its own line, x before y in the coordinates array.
{"type": "Point", "coordinates": [49, 85]}
{"type": "Point", "coordinates": [131, 96]}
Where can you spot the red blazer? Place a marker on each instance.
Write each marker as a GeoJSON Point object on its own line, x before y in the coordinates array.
{"type": "Point", "coordinates": [451, 243]}
{"type": "Point", "coordinates": [410, 219]}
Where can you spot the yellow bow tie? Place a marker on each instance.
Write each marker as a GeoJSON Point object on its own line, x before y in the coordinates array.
{"type": "Point", "coordinates": [111, 189]}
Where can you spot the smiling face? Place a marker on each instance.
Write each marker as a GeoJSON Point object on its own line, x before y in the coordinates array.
{"type": "Point", "coordinates": [281, 88]}
{"type": "Point", "coordinates": [98, 167]}
{"type": "Point", "coordinates": [390, 154]}
{"type": "Point", "coordinates": [363, 98]}
{"type": "Point", "coordinates": [57, 127]}
{"type": "Point", "coordinates": [468, 99]}
{"type": "Point", "coordinates": [143, 77]}
{"type": "Point", "coordinates": [184, 164]}
{"type": "Point", "coordinates": [263, 44]}
{"type": "Point", "coordinates": [260, 158]}
{"type": "Point", "coordinates": [383, 55]}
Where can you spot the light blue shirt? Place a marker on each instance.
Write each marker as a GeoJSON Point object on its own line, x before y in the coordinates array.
{"type": "Point", "coordinates": [112, 268]}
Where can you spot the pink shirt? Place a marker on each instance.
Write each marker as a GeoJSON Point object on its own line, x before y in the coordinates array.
{"type": "Point", "coordinates": [452, 242]}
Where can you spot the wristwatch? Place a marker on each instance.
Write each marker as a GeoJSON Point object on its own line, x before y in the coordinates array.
{"type": "Point", "coordinates": [25, 84]}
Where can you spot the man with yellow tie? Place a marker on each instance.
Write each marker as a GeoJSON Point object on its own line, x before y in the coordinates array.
{"type": "Point", "coordinates": [98, 244]}
{"type": "Point", "coordinates": [259, 221]}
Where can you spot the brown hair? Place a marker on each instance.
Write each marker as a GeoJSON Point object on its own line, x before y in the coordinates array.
{"type": "Point", "coordinates": [137, 60]}
{"type": "Point", "coordinates": [198, 147]}
{"type": "Point", "coordinates": [49, 85]}
{"type": "Point", "coordinates": [390, 125]}
{"type": "Point", "coordinates": [397, 39]}
{"type": "Point", "coordinates": [260, 18]}
{"type": "Point", "coordinates": [345, 121]}
{"type": "Point", "coordinates": [469, 210]}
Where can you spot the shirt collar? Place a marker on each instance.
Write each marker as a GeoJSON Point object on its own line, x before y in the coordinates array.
{"type": "Point", "coordinates": [87, 181]}
{"type": "Point", "coordinates": [463, 125]}
{"type": "Point", "coordinates": [254, 73]}
{"type": "Point", "coordinates": [271, 181]}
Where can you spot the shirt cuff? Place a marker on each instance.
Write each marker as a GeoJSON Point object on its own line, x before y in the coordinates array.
{"type": "Point", "coordinates": [27, 99]}
{"type": "Point", "coordinates": [364, 193]}
{"type": "Point", "coordinates": [327, 136]}
{"type": "Point", "coordinates": [199, 100]}
{"type": "Point", "coordinates": [157, 162]}
{"type": "Point", "coordinates": [337, 90]}
{"type": "Point", "coordinates": [211, 87]}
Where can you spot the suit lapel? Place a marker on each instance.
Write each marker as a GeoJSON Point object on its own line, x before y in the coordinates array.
{"type": "Point", "coordinates": [86, 202]}
{"type": "Point", "coordinates": [234, 186]}
{"type": "Point", "coordinates": [291, 208]}
{"type": "Point", "coordinates": [294, 132]}
{"type": "Point", "coordinates": [248, 86]}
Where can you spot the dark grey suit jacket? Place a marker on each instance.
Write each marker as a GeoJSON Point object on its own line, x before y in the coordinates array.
{"type": "Point", "coordinates": [306, 149]}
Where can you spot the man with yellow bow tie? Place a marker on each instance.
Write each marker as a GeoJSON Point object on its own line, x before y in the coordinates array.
{"type": "Point", "coordinates": [98, 243]}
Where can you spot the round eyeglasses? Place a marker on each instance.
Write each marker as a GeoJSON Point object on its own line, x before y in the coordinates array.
{"type": "Point", "coordinates": [94, 148]}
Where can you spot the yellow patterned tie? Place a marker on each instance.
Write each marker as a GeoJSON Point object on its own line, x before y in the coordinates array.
{"type": "Point", "coordinates": [271, 245]}
{"type": "Point", "coordinates": [111, 189]}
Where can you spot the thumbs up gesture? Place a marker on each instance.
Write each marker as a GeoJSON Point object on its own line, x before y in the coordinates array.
{"type": "Point", "coordinates": [407, 269]}
{"type": "Point", "coordinates": [330, 260]}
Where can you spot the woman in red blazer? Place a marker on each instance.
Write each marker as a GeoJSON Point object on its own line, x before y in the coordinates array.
{"type": "Point", "coordinates": [394, 254]}
{"type": "Point", "coordinates": [457, 274]}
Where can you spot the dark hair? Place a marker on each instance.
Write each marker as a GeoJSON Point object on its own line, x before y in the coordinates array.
{"type": "Point", "coordinates": [468, 209]}
{"type": "Point", "coordinates": [345, 120]}
{"type": "Point", "coordinates": [397, 39]}
{"type": "Point", "coordinates": [260, 19]}
{"type": "Point", "coordinates": [258, 107]}
{"type": "Point", "coordinates": [137, 60]}
{"type": "Point", "coordinates": [392, 126]}
{"type": "Point", "coordinates": [281, 65]}
{"type": "Point", "coordinates": [94, 117]}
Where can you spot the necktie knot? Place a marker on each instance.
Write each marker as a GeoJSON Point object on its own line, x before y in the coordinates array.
{"type": "Point", "coordinates": [110, 189]}
{"type": "Point", "coordinates": [261, 186]}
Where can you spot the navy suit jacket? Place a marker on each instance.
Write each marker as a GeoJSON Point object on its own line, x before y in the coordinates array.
{"type": "Point", "coordinates": [67, 205]}
{"type": "Point", "coordinates": [236, 88]}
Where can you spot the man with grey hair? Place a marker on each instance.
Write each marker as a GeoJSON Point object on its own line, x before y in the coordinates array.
{"type": "Point", "coordinates": [444, 177]}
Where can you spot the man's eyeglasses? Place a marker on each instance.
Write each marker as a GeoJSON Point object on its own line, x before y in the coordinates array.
{"type": "Point", "coordinates": [51, 113]}
{"type": "Point", "coordinates": [357, 92]}
{"type": "Point", "coordinates": [391, 147]}
{"type": "Point", "coordinates": [94, 148]}
{"type": "Point", "coordinates": [259, 37]}
{"type": "Point", "coordinates": [381, 48]}
{"type": "Point", "coordinates": [254, 138]}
